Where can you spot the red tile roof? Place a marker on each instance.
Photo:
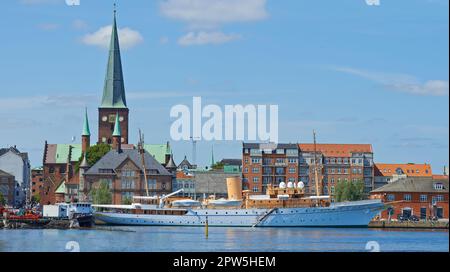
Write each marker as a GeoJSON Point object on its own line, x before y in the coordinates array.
{"type": "Point", "coordinates": [443, 177]}
{"type": "Point", "coordinates": [337, 150]}
{"type": "Point", "coordinates": [409, 169]}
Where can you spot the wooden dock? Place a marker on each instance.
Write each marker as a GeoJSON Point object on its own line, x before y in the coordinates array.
{"type": "Point", "coordinates": [409, 224]}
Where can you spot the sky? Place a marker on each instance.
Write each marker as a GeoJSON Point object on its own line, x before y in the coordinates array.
{"type": "Point", "coordinates": [355, 73]}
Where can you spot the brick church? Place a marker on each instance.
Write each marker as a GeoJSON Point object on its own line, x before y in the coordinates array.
{"type": "Point", "coordinates": [122, 167]}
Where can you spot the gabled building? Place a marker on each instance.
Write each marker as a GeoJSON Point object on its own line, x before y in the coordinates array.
{"type": "Point", "coordinates": [7, 188]}
{"type": "Point", "coordinates": [389, 172]}
{"type": "Point", "coordinates": [185, 165]}
{"type": "Point", "coordinates": [423, 197]}
{"type": "Point", "coordinates": [17, 164]}
{"type": "Point", "coordinates": [123, 171]}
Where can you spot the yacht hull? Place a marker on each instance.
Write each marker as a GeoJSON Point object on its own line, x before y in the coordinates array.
{"type": "Point", "coordinates": [350, 214]}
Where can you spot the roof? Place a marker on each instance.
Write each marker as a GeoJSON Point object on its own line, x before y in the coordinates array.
{"type": "Point", "coordinates": [409, 169]}
{"type": "Point", "coordinates": [414, 184]}
{"type": "Point", "coordinates": [185, 162]}
{"type": "Point", "coordinates": [5, 174]}
{"type": "Point", "coordinates": [337, 150]}
{"type": "Point", "coordinates": [171, 163]}
{"type": "Point", "coordinates": [114, 89]}
{"type": "Point", "coordinates": [59, 153]}
{"type": "Point", "coordinates": [272, 145]}
{"type": "Point", "coordinates": [440, 177]}
{"type": "Point", "coordinates": [182, 175]}
{"type": "Point", "coordinates": [61, 188]}
{"type": "Point", "coordinates": [159, 151]}
{"type": "Point", "coordinates": [113, 159]}
{"type": "Point", "coordinates": [16, 151]}
{"type": "Point", "coordinates": [237, 162]}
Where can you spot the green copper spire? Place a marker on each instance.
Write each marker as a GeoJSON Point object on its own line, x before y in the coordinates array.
{"type": "Point", "coordinates": [86, 130]}
{"type": "Point", "coordinates": [117, 130]}
{"type": "Point", "coordinates": [114, 90]}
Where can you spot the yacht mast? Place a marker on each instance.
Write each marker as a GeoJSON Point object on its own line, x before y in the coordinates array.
{"type": "Point", "coordinates": [142, 152]}
{"type": "Point", "coordinates": [316, 174]}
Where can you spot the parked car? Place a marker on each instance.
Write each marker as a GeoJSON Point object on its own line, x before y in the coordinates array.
{"type": "Point", "coordinates": [402, 218]}
{"type": "Point", "coordinates": [414, 218]}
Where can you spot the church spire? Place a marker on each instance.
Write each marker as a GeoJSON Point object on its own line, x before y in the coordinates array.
{"type": "Point", "coordinates": [86, 130]}
{"type": "Point", "coordinates": [114, 89]}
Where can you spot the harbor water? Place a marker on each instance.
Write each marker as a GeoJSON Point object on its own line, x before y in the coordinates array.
{"type": "Point", "coordinates": [187, 239]}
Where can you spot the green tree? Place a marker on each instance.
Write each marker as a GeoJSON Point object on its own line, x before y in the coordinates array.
{"type": "Point", "coordinates": [2, 200]}
{"type": "Point", "coordinates": [349, 191]}
{"type": "Point", "coordinates": [127, 201]}
{"type": "Point", "coordinates": [102, 194]}
{"type": "Point", "coordinates": [36, 198]}
{"type": "Point", "coordinates": [94, 154]}
{"type": "Point", "coordinates": [218, 166]}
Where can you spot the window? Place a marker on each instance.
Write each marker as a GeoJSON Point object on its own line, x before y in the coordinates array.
{"type": "Point", "coordinates": [127, 183]}
{"type": "Point", "coordinates": [255, 170]}
{"type": "Point", "coordinates": [423, 198]}
{"type": "Point", "coordinates": [438, 198]}
{"type": "Point", "coordinates": [255, 189]}
{"type": "Point", "coordinates": [280, 151]}
{"type": "Point", "coordinates": [407, 197]}
{"type": "Point", "coordinates": [280, 160]}
{"type": "Point", "coordinates": [438, 186]}
{"type": "Point", "coordinates": [128, 173]}
{"type": "Point", "coordinates": [292, 170]}
{"type": "Point", "coordinates": [292, 160]}
{"type": "Point", "coordinates": [291, 179]}
{"type": "Point", "coordinates": [255, 179]}
{"type": "Point", "coordinates": [245, 170]}
{"type": "Point", "coordinates": [339, 170]}
{"type": "Point", "coordinates": [390, 197]}
{"type": "Point", "coordinates": [256, 160]}
{"type": "Point", "coordinates": [151, 184]}
{"type": "Point", "coordinates": [423, 213]}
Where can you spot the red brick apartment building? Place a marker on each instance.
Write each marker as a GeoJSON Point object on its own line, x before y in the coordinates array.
{"type": "Point", "coordinates": [265, 164]}
{"type": "Point", "coordinates": [37, 181]}
{"type": "Point", "coordinates": [419, 196]}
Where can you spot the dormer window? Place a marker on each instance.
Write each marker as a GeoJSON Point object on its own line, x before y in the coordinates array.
{"type": "Point", "coordinates": [438, 186]}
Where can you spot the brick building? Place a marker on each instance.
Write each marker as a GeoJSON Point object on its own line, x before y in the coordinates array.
{"type": "Point", "coordinates": [122, 170]}
{"type": "Point", "coordinates": [265, 164]}
{"type": "Point", "coordinates": [419, 196]}
{"type": "Point", "coordinates": [37, 181]}
{"type": "Point", "coordinates": [390, 172]}
{"type": "Point", "coordinates": [7, 187]}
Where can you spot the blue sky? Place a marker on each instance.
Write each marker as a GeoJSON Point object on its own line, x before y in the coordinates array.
{"type": "Point", "coordinates": [354, 73]}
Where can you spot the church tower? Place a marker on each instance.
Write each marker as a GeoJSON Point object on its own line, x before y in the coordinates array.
{"type": "Point", "coordinates": [113, 100]}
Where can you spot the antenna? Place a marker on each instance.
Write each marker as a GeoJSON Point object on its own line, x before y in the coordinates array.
{"type": "Point", "coordinates": [194, 150]}
{"type": "Point", "coordinates": [142, 152]}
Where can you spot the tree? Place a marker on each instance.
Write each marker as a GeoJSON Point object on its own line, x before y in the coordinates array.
{"type": "Point", "coordinates": [102, 194]}
{"type": "Point", "coordinates": [218, 166]}
{"type": "Point", "coordinates": [36, 199]}
{"type": "Point", "coordinates": [127, 201]}
{"type": "Point", "coordinates": [2, 200]}
{"type": "Point", "coordinates": [349, 191]}
{"type": "Point", "coordinates": [94, 154]}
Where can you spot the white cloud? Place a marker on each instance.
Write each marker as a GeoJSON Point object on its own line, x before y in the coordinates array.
{"type": "Point", "coordinates": [127, 36]}
{"type": "Point", "coordinates": [202, 38]}
{"type": "Point", "coordinates": [209, 13]}
{"type": "Point", "coordinates": [205, 17]}
{"type": "Point", "coordinates": [401, 82]}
